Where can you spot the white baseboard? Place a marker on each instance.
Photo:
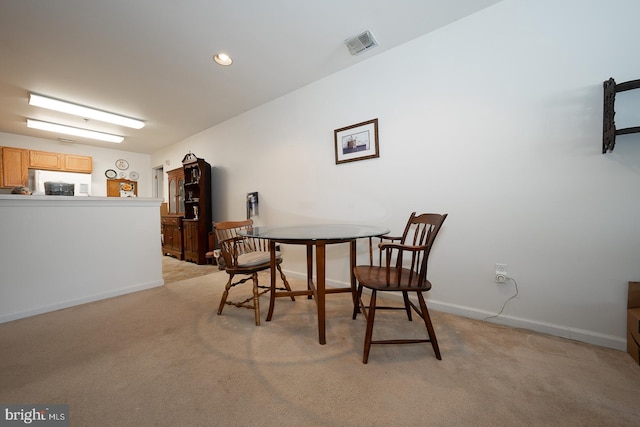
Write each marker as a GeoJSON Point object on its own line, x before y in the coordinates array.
{"type": "Point", "coordinates": [562, 331]}
{"type": "Point", "coordinates": [71, 303]}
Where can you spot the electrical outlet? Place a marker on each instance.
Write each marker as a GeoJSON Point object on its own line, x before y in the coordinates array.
{"type": "Point", "coordinates": [501, 273]}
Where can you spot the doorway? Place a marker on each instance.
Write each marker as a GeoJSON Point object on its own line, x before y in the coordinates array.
{"type": "Point", "coordinates": [158, 183]}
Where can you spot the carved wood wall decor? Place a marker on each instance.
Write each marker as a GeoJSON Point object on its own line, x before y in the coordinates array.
{"type": "Point", "coordinates": [609, 130]}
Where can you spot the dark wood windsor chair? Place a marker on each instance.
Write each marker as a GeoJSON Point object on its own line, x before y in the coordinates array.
{"type": "Point", "coordinates": [245, 256]}
{"type": "Point", "coordinates": [402, 267]}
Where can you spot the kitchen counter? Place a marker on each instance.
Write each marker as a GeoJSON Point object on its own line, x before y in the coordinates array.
{"type": "Point", "coordinates": [60, 251]}
{"type": "Point", "coordinates": [32, 200]}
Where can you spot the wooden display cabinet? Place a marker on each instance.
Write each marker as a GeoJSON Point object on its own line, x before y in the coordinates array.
{"type": "Point", "coordinates": [197, 223]}
{"type": "Point", "coordinates": [171, 223]}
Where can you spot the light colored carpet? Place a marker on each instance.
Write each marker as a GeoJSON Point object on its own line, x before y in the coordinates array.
{"type": "Point", "coordinates": [162, 357]}
{"type": "Point", "coordinates": [174, 270]}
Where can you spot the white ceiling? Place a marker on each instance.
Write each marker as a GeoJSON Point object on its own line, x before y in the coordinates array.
{"type": "Point", "coordinates": [152, 59]}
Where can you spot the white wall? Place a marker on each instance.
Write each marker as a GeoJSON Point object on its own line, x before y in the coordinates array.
{"type": "Point", "coordinates": [62, 251]}
{"type": "Point", "coordinates": [103, 159]}
{"type": "Point", "coordinates": [495, 119]}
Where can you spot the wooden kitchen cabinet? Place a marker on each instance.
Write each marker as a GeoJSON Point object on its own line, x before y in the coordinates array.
{"type": "Point", "coordinates": [60, 162]}
{"type": "Point", "coordinates": [81, 164]}
{"type": "Point", "coordinates": [122, 188]}
{"type": "Point", "coordinates": [14, 167]}
{"type": "Point", "coordinates": [45, 160]}
{"type": "Point", "coordinates": [16, 162]}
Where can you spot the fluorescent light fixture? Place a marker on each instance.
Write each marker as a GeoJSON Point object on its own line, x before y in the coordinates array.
{"type": "Point", "coordinates": [68, 130]}
{"type": "Point", "coordinates": [223, 59]}
{"type": "Point", "coordinates": [84, 112]}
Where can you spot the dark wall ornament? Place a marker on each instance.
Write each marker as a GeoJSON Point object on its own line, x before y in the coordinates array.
{"type": "Point", "coordinates": [609, 131]}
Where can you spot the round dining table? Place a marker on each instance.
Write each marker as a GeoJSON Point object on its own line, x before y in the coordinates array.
{"type": "Point", "coordinates": [318, 236]}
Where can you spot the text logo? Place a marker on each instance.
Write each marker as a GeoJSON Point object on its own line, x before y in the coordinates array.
{"type": "Point", "coordinates": [35, 415]}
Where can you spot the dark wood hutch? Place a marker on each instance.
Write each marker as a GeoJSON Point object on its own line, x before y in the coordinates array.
{"type": "Point", "coordinates": [172, 222]}
{"type": "Point", "coordinates": [186, 227]}
{"type": "Point", "coordinates": [197, 208]}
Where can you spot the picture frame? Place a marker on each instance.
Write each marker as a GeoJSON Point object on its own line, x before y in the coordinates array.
{"type": "Point", "coordinates": [357, 142]}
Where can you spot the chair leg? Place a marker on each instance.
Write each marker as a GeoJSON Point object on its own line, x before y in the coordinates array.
{"type": "Point", "coordinates": [256, 298]}
{"type": "Point", "coordinates": [429, 325]}
{"type": "Point", "coordinates": [370, 317]}
{"type": "Point", "coordinates": [356, 304]}
{"type": "Point", "coordinates": [407, 307]}
{"type": "Point", "coordinates": [225, 294]}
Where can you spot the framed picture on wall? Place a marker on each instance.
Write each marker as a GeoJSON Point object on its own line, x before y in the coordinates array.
{"type": "Point", "coordinates": [357, 142]}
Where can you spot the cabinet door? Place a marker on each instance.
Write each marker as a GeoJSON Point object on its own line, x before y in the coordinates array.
{"type": "Point", "coordinates": [176, 191]}
{"type": "Point", "coordinates": [167, 236]}
{"type": "Point", "coordinates": [172, 236]}
{"type": "Point", "coordinates": [190, 229]}
{"type": "Point", "coordinates": [60, 162]}
{"type": "Point", "coordinates": [176, 239]}
{"type": "Point", "coordinates": [73, 163]}
{"type": "Point", "coordinates": [45, 160]}
{"type": "Point", "coordinates": [15, 167]}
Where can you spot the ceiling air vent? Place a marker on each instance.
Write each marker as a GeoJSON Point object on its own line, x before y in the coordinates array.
{"type": "Point", "coordinates": [361, 42]}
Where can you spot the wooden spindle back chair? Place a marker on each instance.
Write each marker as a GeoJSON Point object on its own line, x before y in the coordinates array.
{"type": "Point", "coordinates": [245, 256]}
{"type": "Point", "coordinates": [402, 267]}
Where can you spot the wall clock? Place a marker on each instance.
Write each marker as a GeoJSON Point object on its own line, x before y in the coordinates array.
{"type": "Point", "coordinates": [122, 164]}
{"type": "Point", "coordinates": [110, 173]}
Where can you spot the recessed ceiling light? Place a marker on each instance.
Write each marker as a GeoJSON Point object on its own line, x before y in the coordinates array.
{"type": "Point", "coordinates": [223, 59]}
{"type": "Point", "coordinates": [85, 112]}
{"type": "Point", "coordinates": [68, 130]}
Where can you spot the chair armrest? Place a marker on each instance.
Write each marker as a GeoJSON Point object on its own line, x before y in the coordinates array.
{"type": "Point", "coordinates": [416, 254]}
{"type": "Point", "coordinates": [233, 239]}
{"type": "Point", "coordinates": [382, 240]}
{"type": "Point", "coordinates": [231, 248]}
{"type": "Point", "coordinates": [400, 247]}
